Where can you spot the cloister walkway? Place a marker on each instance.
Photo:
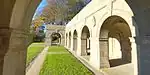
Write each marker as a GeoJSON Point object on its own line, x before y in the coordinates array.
{"type": "Point", "coordinates": [122, 22]}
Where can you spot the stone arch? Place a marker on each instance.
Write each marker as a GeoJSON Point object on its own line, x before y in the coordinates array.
{"type": "Point", "coordinates": [85, 41]}
{"type": "Point", "coordinates": [75, 36]}
{"type": "Point", "coordinates": [18, 15]}
{"type": "Point", "coordinates": [55, 38]}
{"type": "Point", "coordinates": [81, 29]}
{"type": "Point", "coordinates": [117, 29]}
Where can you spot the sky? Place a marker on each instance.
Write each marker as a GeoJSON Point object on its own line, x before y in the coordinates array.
{"type": "Point", "coordinates": [39, 11]}
{"type": "Point", "coordinates": [40, 7]}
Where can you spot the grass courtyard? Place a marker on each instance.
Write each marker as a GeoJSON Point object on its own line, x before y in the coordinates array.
{"type": "Point", "coordinates": [60, 62]}
{"type": "Point", "coordinates": [33, 50]}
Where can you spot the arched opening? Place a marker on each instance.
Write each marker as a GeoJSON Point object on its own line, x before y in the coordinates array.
{"type": "Point", "coordinates": [69, 39]}
{"type": "Point", "coordinates": [75, 36]}
{"type": "Point", "coordinates": [115, 46]}
{"type": "Point", "coordinates": [55, 39]}
{"type": "Point", "coordinates": [14, 32]}
{"type": "Point", "coordinates": [85, 42]}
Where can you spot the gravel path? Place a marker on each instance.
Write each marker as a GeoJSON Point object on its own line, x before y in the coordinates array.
{"type": "Point", "coordinates": [36, 65]}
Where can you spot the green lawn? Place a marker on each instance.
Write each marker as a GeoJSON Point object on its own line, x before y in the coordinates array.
{"type": "Point", "coordinates": [62, 64]}
{"type": "Point", "coordinates": [57, 49]}
{"type": "Point", "coordinates": [33, 50]}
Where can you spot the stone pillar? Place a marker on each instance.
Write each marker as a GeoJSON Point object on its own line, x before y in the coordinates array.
{"type": "Point", "coordinates": [134, 55]}
{"type": "Point", "coordinates": [141, 11]}
{"type": "Point", "coordinates": [63, 41]}
{"type": "Point", "coordinates": [83, 46]}
{"type": "Point", "coordinates": [126, 50]}
{"type": "Point", "coordinates": [49, 41]}
{"type": "Point", "coordinates": [75, 44]}
{"type": "Point", "coordinates": [95, 52]}
{"type": "Point", "coordinates": [59, 41]}
{"type": "Point", "coordinates": [104, 53]}
{"type": "Point", "coordinates": [79, 46]}
{"type": "Point", "coordinates": [71, 47]}
{"type": "Point", "coordinates": [4, 44]}
{"type": "Point", "coordinates": [144, 56]}
{"type": "Point", "coordinates": [67, 42]}
{"type": "Point", "coordinates": [48, 38]}
{"type": "Point", "coordinates": [15, 58]}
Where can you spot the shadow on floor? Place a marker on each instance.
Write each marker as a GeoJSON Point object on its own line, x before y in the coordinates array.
{"type": "Point", "coordinates": [117, 62]}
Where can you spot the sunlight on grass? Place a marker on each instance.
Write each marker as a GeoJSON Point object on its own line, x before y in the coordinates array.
{"type": "Point", "coordinates": [57, 49]}
{"type": "Point", "coordinates": [33, 50]}
{"type": "Point", "coordinates": [63, 64]}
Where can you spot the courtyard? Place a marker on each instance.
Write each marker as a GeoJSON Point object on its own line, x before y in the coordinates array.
{"type": "Point", "coordinates": [106, 37]}
{"type": "Point", "coordinates": [60, 62]}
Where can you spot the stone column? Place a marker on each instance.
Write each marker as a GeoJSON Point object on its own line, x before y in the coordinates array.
{"type": "Point", "coordinates": [83, 46]}
{"type": "Point", "coordinates": [67, 41]}
{"type": "Point", "coordinates": [141, 11]}
{"type": "Point", "coordinates": [47, 38]}
{"type": "Point", "coordinates": [134, 55]}
{"type": "Point", "coordinates": [75, 44]}
{"type": "Point", "coordinates": [4, 44]}
{"type": "Point", "coordinates": [79, 46]}
{"type": "Point", "coordinates": [71, 47]}
{"type": "Point", "coordinates": [15, 58]}
{"type": "Point", "coordinates": [49, 41]}
{"type": "Point", "coordinates": [104, 53]}
{"type": "Point", "coordinates": [95, 52]}
{"type": "Point", "coordinates": [63, 41]}
{"type": "Point", "coordinates": [126, 50]}
{"type": "Point", "coordinates": [144, 56]}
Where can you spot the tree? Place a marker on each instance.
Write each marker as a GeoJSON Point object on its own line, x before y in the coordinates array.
{"type": "Point", "coordinates": [37, 22]}
{"type": "Point", "coordinates": [74, 6]}
{"type": "Point", "coordinates": [49, 13]}
{"type": "Point", "coordinates": [60, 10]}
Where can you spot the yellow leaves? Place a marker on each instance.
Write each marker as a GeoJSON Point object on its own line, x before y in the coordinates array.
{"type": "Point", "coordinates": [38, 22]}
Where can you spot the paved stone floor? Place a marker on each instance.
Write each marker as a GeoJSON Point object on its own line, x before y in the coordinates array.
{"type": "Point", "coordinates": [126, 69]}
{"type": "Point", "coordinates": [86, 57]}
{"type": "Point", "coordinates": [34, 69]}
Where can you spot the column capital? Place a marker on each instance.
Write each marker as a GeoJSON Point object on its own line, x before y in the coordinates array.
{"type": "Point", "coordinates": [103, 39]}
{"type": "Point", "coordinates": [19, 39]}
{"type": "Point", "coordinates": [5, 33]}
{"type": "Point", "coordinates": [19, 33]}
